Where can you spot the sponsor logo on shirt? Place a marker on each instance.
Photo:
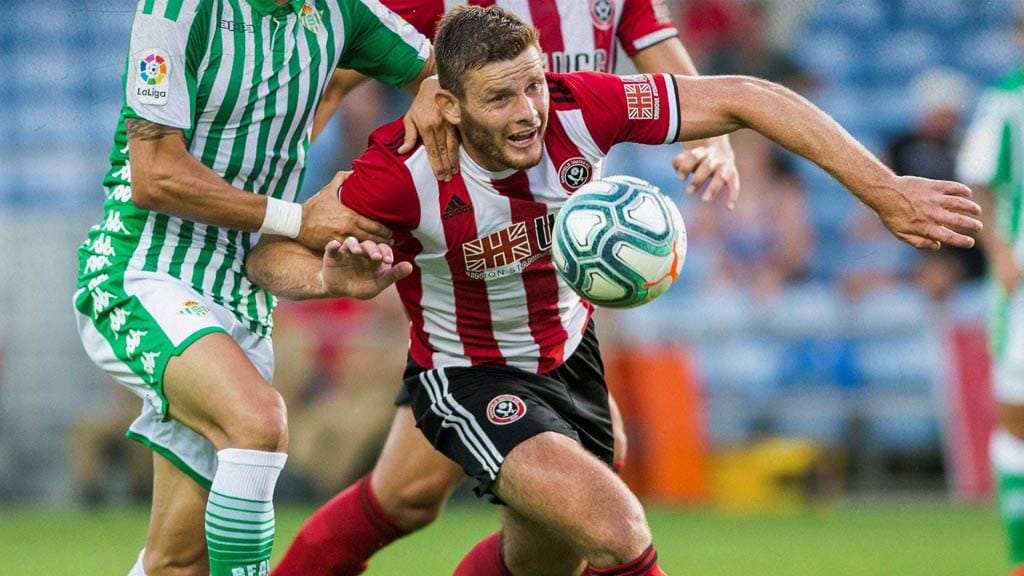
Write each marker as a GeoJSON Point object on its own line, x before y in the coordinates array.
{"type": "Point", "coordinates": [562, 62]}
{"type": "Point", "coordinates": [236, 26]}
{"type": "Point", "coordinates": [193, 308]}
{"type": "Point", "coordinates": [154, 68]}
{"type": "Point", "coordinates": [575, 172]}
{"type": "Point", "coordinates": [455, 207]}
{"type": "Point", "coordinates": [602, 12]}
{"type": "Point", "coordinates": [508, 251]}
{"type": "Point", "coordinates": [641, 98]}
{"type": "Point", "coordinates": [505, 409]}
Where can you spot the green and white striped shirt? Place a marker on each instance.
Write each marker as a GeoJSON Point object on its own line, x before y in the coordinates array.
{"type": "Point", "coordinates": [242, 79]}
{"type": "Point", "coordinates": [992, 155]}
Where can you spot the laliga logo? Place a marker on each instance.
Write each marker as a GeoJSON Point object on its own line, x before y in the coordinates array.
{"type": "Point", "coordinates": [154, 69]}
{"type": "Point", "coordinates": [505, 409]}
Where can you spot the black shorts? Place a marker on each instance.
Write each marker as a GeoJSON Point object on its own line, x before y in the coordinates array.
{"type": "Point", "coordinates": [477, 415]}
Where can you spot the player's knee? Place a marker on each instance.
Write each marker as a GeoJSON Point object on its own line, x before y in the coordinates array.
{"type": "Point", "coordinates": [620, 538]}
{"type": "Point", "coordinates": [260, 425]}
{"type": "Point", "coordinates": [418, 503]}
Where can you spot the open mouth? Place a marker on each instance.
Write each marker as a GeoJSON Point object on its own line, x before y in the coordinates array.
{"type": "Point", "coordinates": [524, 138]}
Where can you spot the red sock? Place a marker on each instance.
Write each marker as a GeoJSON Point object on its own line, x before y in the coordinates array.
{"type": "Point", "coordinates": [484, 559]}
{"type": "Point", "coordinates": [340, 537]}
{"type": "Point", "coordinates": [645, 565]}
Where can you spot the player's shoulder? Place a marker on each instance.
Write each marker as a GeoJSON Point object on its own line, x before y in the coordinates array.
{"type": "Point", "coordinates": [565, 89]}
{"type": "Point", "coordinates": [389, 138]}
{"type": "Point", "coordinates": [1013, 82]}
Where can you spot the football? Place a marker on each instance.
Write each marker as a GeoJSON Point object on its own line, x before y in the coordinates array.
{"type": "Point", "coordinates": [619, 242]}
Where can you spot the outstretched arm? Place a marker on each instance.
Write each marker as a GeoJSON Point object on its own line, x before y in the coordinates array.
{"type": "Point", "coordinates": [921, 212]}
{"type": "Point", "coordinates": [345, 269]}
{"type": "Point", "coordinates": [710, 160]}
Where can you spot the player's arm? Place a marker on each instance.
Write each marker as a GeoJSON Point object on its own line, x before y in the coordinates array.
{"type": "Point", "coordinates": [710, 160]}
{"type": "Point", "coordinates": [924, 213]}
{"type": "Point", "coordinates": [998, 252]}
{"type": "Point", "coordinates": [166, 178]}
{"type": "Point", "coordinates": [343, 269]}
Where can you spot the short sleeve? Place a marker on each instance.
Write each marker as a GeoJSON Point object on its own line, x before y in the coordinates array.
{"type": "Point", "coordinates": [642, 108]}
{"type": "Point", "coordinates": [986, 144]}
{"type": "Point", "coordinates": [381, 44]}
{"type": "Point", "coordinates": [166, 46]}
{"type": "Point", "coordinates": [422, 14]}
{"type": "Point", "coordinates": [380, 186]}
{"type": "Point", "coordinates": [644, 23]}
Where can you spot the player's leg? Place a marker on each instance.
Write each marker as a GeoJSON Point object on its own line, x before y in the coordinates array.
{"type": "Point", "coordinates": [619, 433]}
{"type": "Point", "coordinates": [406, 491]}
{"type": "Point", "coordinates": [554, 482]}
{"type": "Point", "coordinates": [1007, 445]}
{"type": "Point", "coordinates": [198, 386]}
{"type": "Point", "coordinates": [214, 389]}
{"type": "Point", "coordinates": [522, 546]}
{"type": "Point", "coordinates": [176, 543]}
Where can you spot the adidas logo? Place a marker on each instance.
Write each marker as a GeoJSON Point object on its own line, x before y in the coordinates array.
{"type": "Point", "coordinates": [455, 207]}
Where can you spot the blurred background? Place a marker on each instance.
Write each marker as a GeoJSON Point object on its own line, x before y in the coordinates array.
{"type": "Point", "coordinates": [804, 355]}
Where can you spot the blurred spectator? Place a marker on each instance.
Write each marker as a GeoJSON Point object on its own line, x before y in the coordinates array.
{"type": "Point", "coordinates": [336, 368]}
{"type": "Point", "coordinates": [750, 51]}
{"type": "Point", "coordinates": [99, 456]}
{"type": "Point", "coordinates": [928, 149]}
{"type": "Point", "coordinates": [766, 241]}
{"type": "Point", "coordinates": [708, 27]}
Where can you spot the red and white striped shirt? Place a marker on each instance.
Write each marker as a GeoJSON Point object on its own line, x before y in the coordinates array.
{"type": "Point", "coordinates": [575, 35]}
{"type": "Point", "coordinates": [484, 289]}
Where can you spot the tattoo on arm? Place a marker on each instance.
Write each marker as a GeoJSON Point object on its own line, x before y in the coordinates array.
{"type": "Point", "coordinates": [145, 130]}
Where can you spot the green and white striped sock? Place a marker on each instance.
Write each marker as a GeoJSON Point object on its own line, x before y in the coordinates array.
{"type": "Point", "coordinates": [240, 512]}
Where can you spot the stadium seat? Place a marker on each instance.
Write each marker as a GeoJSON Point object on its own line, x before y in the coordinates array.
{"type": "Point", "coordinates": [821, 413]}
{"type": "Point", "coordinates": [990, 54]}
{"type": "Point", "coordinates": [805, 310]}
{"type": "Point", "coordinates": [947, 15]}
{"type": "Point", "coordinates": [891, 310]}
{"type": "Point", "coordinates": [903, 52]}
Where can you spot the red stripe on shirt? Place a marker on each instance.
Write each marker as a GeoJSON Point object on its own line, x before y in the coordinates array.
{"type": "Point", "coordinates": [472, 308]}
{"type": "Point", "coordinates": [605, 39]}
{"type": "Point", "coordinates": [539, 280]}
{"type": "Point", "coordinates": [545, 17]}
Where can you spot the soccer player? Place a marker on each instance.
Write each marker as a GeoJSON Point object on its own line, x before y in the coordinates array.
{"type": "Point", "coordinates": [504, 372]}
{"type": "Point", "coordinates": [403, 494]}
{"type": "Point", "coordinates": [208, 155]}
{"type": "Point", "coordinates": [991, 162]}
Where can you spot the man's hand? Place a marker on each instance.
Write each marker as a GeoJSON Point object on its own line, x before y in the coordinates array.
{"type": "Point", "coordinates": [713, 167]}
{"type": "Point", "coordinates": [424, 121]}
{"type": "Point", "coordinates": [359, 269]}
{"type": "Point", "coordinates": [928, 213]}
{"type": "Point", "coordinates": [324, 218]}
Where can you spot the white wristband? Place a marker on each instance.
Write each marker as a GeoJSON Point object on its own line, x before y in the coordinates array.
{"type": "Point", "coordinates": [282, 218]}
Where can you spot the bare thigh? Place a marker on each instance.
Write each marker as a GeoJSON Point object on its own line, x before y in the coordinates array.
{"type": "Point", "coordinates": [412, 480]}
{"type": "Point", "coordinates": [530, 548]}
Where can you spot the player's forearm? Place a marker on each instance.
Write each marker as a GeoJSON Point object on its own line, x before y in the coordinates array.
{"type": "Point", "coordinates": [286, 268]}
{"type": "Point", "coordinates": [788, 119]}
{"type": "Point", "coordinates": [988, 238]}
{"type": "Point", "coordinates": [167, 179]}
{"type": "Point", "coordinates": [428, 70]}
{"type": "Point", "coordinates": [341, 84]}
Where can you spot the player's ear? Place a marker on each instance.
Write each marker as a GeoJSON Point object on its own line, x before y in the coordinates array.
{"type": "Point", "coordinates": [449, 106]}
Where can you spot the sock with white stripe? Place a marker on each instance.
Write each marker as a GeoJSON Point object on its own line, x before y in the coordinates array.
{"type": "Point", "coordinates": [240, 512]}
{"type": "Point", "coordinates": [137, 569]}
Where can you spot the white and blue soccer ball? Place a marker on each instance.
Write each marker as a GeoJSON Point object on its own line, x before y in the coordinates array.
{"type": "Point", "coordinates": [619, 242]}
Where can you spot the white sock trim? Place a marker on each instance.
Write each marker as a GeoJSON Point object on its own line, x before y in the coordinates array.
{"type": "Point", "coordinates": [137, 569]}
{"type": "Point", "coordinates": [1007, 452]}
{"type": "Point", "coordinates": [249, 474]}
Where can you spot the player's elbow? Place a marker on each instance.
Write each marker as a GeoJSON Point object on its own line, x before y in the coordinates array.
{"type": "Point", "coordinates": [151, 188]}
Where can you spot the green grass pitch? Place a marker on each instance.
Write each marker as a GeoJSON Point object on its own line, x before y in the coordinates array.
{"type": "Point", "coordinates": [870, 538]}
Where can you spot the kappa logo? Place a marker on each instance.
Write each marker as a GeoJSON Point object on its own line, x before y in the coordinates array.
{"type": "Point", "coordinates": [575, 172]}
{"type": "Point", "coordinates": [455, 207]}
{"type": "Point", "coordinates": [602, 12]}
{"type": "Point", "coordinates": [505, 409]}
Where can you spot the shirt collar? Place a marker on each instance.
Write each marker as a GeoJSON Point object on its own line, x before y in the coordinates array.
{"type": "Point", "coordinates": [268, 7]}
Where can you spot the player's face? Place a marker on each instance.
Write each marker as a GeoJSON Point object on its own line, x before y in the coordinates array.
{"type": "Point", "coordinates": [505, 111]}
